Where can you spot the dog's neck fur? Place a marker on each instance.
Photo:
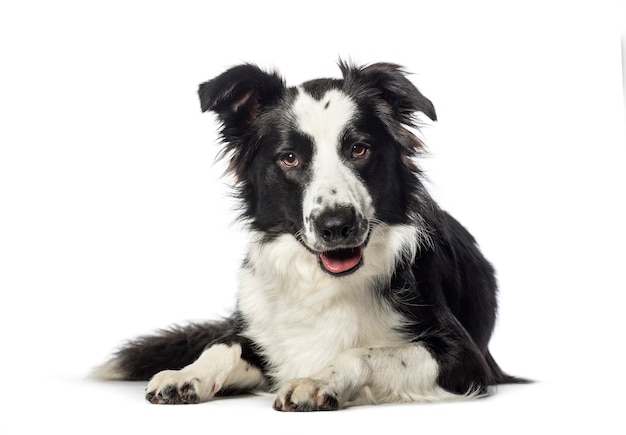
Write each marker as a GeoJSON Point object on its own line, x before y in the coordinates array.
{"type": "Point", "coordinates": [303, 317]}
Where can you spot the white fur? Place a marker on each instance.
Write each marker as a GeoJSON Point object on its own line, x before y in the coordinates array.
{"type": "Point", "coordinates": [405, 373]}
{"type": "Point", "coordinates": [219, 366]}
{"type": "Point", "coordinates": [109, 371]}
{"type": "Point", "coordinates": [333, 183]}
{"type": "Point", "coordinates": [304, 317]}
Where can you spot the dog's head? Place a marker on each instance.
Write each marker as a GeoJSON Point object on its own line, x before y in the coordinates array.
{"type": "Point", "coordinates": [325, 161]}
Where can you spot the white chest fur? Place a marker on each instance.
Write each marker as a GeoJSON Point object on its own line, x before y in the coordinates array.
{"type": "Point", "coordinates": [303, 318]}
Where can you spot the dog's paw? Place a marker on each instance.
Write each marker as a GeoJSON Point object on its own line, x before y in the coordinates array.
{"type": "Point", "coordinates": [200, 380]}
{"type": "Point", "coordinates": [176, 387]}
{"type": "Point", "coordinates": [306, 395]}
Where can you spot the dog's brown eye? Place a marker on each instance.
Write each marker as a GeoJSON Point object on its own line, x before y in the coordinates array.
{"type": "Point", "coordinates": [290, 160]}
{"type": "Point", "coordinates": [360, 150]}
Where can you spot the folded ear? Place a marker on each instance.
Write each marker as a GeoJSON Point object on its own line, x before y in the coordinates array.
{"type": "Point", "coordinates": [238, 96]}
{"type": "Point", "coordinates": [390, 79]}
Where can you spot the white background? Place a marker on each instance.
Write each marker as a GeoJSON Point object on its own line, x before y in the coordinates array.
{"type": "Point", "coordinates": [114, 220]}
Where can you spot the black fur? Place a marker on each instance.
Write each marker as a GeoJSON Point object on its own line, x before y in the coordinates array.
{"type": "Point", "coordinates": [169, 349]}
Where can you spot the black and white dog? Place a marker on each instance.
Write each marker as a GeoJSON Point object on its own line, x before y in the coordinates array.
{"type": "Point", "coordinates": [357, 288]}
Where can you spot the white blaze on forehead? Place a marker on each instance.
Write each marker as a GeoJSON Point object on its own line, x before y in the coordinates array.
{"type": "Point", "coordinates": [324, 119]}
{"type": "Point", "coordinates": [332, 183]}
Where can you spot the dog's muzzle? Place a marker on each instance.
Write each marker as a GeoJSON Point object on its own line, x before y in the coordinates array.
{"type": "Point", "coordinates": [340, 235]}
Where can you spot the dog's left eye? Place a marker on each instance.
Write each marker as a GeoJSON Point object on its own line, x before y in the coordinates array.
{"type": "Point", "coordinates": [360, 150]}
{"type": "Point", "coordinates": [290, 160]}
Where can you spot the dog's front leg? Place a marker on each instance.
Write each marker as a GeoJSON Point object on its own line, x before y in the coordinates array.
{"type": "Point", "coordinates": [219, 366]}
{"type": "Point", "coordinates": [367, 375]}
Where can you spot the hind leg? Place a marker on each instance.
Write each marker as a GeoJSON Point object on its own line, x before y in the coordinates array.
{"type": "Point", "coordinates": [219, 367]}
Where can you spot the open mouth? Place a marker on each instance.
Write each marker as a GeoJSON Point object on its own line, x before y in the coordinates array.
{"type": "Point", "coordinates": [341, 261]}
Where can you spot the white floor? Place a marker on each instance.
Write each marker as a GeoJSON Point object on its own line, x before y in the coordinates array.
{"type": "Point", "coordinates": [75, 406]}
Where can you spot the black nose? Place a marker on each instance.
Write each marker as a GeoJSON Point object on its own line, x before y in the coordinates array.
{"type": "Point", "coordinates": [336, 225]}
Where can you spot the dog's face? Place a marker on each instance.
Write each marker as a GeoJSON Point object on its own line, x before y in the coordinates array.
{"type": "Point", "coordinates": [326, 161]}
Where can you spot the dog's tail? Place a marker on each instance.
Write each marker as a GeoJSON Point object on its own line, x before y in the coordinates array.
{"type": "Point", "coordinates": [499, 376]}
{"type": "Point", "coordinates": [168, 349]}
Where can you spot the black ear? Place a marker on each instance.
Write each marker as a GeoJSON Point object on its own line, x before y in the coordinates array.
{"type": "Point", "coordinates": [239, 94]}
{"type": "Point", "coordinates": [390, 79]}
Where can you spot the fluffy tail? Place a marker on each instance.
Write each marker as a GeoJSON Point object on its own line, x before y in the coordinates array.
{"type": "Point", "coordinates": [168, 349]}
{"type": "Point", "coordinates": [499, 376]}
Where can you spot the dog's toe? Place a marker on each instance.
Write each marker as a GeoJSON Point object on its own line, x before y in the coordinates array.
{"type": "Point", "coordinates": [305, 395]}
{"type": "Point", "coordinates": [170, 387]}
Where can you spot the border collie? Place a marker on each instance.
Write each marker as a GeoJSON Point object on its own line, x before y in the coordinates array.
{"type": "Point", "coordinates": [356, 288]}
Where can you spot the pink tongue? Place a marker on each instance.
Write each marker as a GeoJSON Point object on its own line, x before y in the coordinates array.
{"type": "Point", "coordinates": [341, 260]}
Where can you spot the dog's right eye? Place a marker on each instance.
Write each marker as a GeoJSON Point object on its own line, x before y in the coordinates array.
{"type": "Point", "coordinates": [290, 160]}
